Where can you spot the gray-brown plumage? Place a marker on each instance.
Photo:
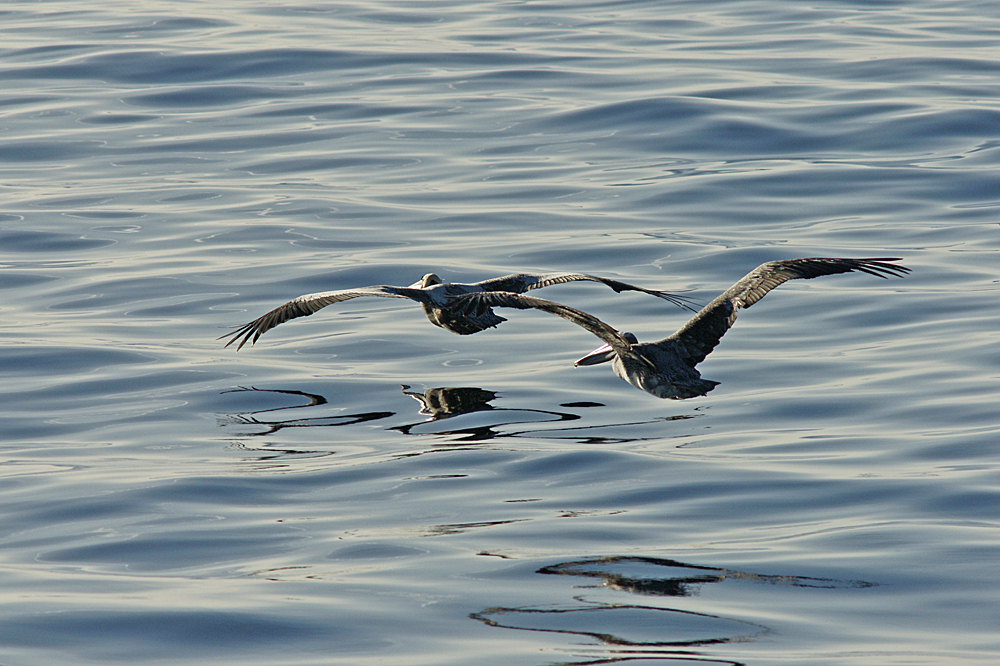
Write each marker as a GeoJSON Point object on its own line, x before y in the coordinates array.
{"type": "Point", "coordinates": [666, 368]}
{"type": "Point", "coordinates": [436, 297]}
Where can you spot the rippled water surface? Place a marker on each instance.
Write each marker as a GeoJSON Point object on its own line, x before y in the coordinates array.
{"type": "Point", "coordinates": [361, 487]}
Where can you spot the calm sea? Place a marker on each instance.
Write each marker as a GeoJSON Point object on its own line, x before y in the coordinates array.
{"type": "Point", "coordinates": [363, 488]}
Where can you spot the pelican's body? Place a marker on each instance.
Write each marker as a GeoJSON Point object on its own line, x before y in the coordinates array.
{"type": "Point", "coordinates": [658, 368]}
{"type": "Point", "coordinates": [666, 368]}
{"type": "Point", "coordinates": [436, 298]}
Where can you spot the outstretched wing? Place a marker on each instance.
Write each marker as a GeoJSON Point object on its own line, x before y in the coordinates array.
{"type": "Point", "coordinates": [519, 283]}
{"type": "Point", "coordinates": [310, 303]}
{"type": "Point", "coordinates": [505, 299]}
{"type": "Point", "coordinates": [697, 338]}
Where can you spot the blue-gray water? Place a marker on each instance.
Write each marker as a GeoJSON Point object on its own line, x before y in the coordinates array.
{"type": "Point", "coordinates": [171, 169]}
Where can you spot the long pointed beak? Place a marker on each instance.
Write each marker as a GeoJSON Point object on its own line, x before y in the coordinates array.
{"type": "Point", "coordinates": [602, 354]}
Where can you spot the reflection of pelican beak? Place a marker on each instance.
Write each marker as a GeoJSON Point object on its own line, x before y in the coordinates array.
{"type": "Point", "coordinates": [602, 354]}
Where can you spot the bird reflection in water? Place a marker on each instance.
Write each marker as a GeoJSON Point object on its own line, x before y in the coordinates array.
{"type": "Point", "coordinates": [449, 402]}
{"type": "Point", "coordinates": [633, 631]}
{"type": "Point", "coordinates": [440, 405]}
{"type": "Point", "coordinates": [446, 403]}
{"type": "Point", "coordinates": [272, 426]}
{"type": "Point", "coordinates": [265, 426]}
{"type": "Point", "coordinates": [663, 577]}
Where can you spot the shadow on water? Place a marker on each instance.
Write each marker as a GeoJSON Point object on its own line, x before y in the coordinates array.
{"type": "Point", "coordinates": [438, 405]}
{"type": "Point", "coordinates": [631, 631]}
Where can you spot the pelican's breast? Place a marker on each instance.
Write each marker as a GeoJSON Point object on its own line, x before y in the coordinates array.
{"type": "Point", "coordinates": [666, 375]}
{"type": "Point", "coordinates": [462, 324]}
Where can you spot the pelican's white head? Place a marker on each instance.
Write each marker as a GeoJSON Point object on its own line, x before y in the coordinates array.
{"type": "Point", "coordinates": [428, 280]}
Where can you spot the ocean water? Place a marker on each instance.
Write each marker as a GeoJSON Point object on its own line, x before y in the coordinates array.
{"type": "Point", "coordinates": [361, 487]}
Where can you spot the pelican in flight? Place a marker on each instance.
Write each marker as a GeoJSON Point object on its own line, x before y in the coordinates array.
{"type": "Point", "coordinates": [666, 368]}
{"type": "Point", "coordinates": [436, 297]}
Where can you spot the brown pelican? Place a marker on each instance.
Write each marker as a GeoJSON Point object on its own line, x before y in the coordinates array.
{"type": "Point", "coordinates": [436, 297]}
{"type": "Point", "coordinates": [666, 368]}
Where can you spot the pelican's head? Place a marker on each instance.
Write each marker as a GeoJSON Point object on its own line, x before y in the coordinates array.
{"type": "Point", "coordinates": [426, 281]}
{"type": "Point", "coordinates": [604, 353]}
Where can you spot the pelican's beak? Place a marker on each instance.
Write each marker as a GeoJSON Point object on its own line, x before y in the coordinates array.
{"type": "Point", "coordinates": [602, 354]}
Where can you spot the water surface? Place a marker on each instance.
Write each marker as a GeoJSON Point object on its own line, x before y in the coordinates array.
{"type": "Point", "coordinates": [172, 169]}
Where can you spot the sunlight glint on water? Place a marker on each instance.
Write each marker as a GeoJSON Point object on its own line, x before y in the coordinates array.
{"type": "Point", "coordinates": [360, 487]}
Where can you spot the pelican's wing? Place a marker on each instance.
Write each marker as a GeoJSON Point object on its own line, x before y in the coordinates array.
{"type": "Point", "coordinates": [471, 303]}
{"type": "Point", "coordinates": [519, 283]}
{"type": "Point", "coordinates": [310, 303]}
{"type": "Point", "coordinates": [702, 333]}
